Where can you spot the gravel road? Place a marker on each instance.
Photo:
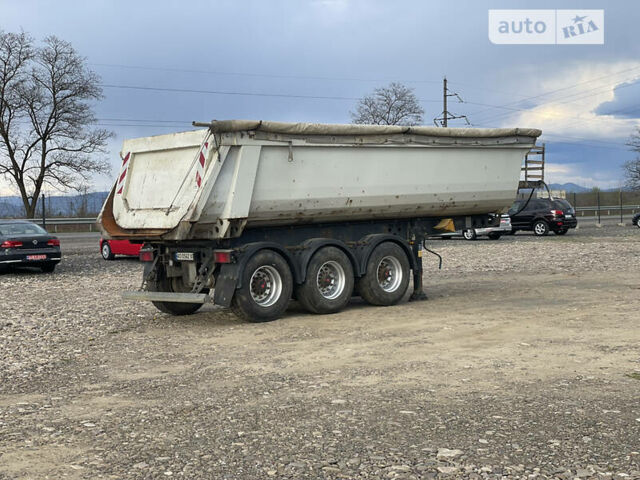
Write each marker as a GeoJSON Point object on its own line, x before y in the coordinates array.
{"type": "Point", "coordinates": [523, 363]}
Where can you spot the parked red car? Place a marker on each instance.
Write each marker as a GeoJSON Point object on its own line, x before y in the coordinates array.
{"type": "Point", "coordinates": [110, 248]}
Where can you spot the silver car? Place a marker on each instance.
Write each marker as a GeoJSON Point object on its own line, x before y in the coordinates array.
{"type": "Point", "coordinates": [493, 233]}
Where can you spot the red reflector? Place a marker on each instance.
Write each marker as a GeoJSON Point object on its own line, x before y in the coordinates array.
{"type": "Point", "coordinates": [11, 244]}
{"type": "Point", "coordinates": [146, 255]}
{"type": "Point", "coordinates": [222, 257]}
{"type": "Point", "coordinates": [54, 242]}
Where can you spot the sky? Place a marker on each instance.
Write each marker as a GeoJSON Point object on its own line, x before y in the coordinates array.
{"type": "Point", "coordinates": [166, 63]}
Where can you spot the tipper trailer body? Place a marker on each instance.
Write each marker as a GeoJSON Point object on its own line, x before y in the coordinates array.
{"type": "Point", "coordinates": [248, 213]}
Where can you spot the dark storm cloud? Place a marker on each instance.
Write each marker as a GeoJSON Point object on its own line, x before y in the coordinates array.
{"type": "Point", "coordinates": [626, 103]}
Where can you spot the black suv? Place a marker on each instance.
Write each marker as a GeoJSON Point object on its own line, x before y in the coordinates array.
{"type": "Point", "coordinates": [541, 215]}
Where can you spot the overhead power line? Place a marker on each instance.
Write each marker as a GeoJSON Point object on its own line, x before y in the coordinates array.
{"type": "Point", "coordinates": [579, 96]}
{"type": "Point", "coordinates": [222, 92]}
{"type": "Point", "coordinates": [553, 114]}
{"type": "Point", "coordinates": [551, 92]}
{"type": "Point", "coordinates": [570, 87]}
{"type": "Point", "coordinates": [586, 143]}
{"type": "Point", "coordinates": [320, 97]}
{"type": "Point", "coordinates": [254, 74]}
{"type": "Point", "coordinates": [142, 120]}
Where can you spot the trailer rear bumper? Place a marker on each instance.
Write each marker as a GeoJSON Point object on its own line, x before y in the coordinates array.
{"type": "Point", "coordinates": [167, 297]}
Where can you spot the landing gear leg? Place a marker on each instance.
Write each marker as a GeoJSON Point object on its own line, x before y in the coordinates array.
{"type": "Point", "coordinates": [418, 293]}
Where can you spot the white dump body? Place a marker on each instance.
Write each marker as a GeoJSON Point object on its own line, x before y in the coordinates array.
{"type": "Point", "coordinates": [214, 182]}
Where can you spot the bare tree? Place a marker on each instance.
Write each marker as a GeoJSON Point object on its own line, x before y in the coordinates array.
{"type": "Point", "coordinates": [632, 167]}
{"type": "Point", "coordinates": [45, 117]}
{"type": "Point", "coordinates": [395, 104]}
{"type": "Point", "coordinates": [80, 205]}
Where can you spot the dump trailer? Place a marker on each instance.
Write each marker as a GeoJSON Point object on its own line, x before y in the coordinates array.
{"type": "Point", "coordinates": [250, 214]}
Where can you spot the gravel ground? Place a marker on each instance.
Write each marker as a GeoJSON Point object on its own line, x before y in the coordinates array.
{"type": "Point", "coordinates": [523, 363]}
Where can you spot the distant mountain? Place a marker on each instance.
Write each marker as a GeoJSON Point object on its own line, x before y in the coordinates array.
{"type": "Point", "coordinates": [569, 187]}
{"type": "Point", "coordinates": [81, 205]}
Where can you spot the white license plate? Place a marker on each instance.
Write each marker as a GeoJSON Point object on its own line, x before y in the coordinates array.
{"type": "Point", "coordinates": [568, 215]}
{"type": "Point", "coordinates": [36, 257]}
{"type": "Point", "coordinates": [184, 256]}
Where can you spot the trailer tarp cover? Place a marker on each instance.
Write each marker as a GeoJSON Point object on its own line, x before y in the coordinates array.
{"type": "Point", "coordinates": [226, 126]}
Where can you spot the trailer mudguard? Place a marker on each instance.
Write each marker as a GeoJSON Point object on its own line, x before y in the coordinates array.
{"type": "Point", "coordinates": [226, 284]}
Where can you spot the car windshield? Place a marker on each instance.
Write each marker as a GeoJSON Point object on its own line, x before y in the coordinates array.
{"type": "Point", "coordinates": [14, 229]}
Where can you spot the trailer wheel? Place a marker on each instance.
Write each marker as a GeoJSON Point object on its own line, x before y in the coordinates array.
{"type": "Point", "coordinates": [267, 285]}
{"type": "Point", "coordinates": [329, 282]}
{"type": "Point", "coordinates": [164, 284]}
{"type": "Point", "coordinates": [387, 276]}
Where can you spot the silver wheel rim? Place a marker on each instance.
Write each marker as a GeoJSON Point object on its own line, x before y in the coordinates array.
{"type": "Point", "coordinates": [330, 280]}
{"type": "Point", "coordinates": [468, 234]}
{"type": "Point", "coordinates": [105, 250]}
{"type": "Point", "coordinates": [389, 274]}
{"type": "Point", "coordinates": [265, 286]}
{"type": "Point", "coordinates": [540, 228]}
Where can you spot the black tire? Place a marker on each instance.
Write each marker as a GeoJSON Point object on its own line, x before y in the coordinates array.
{"type": "Point", "coordinates": [469, 234]}
{"type": "Point", "coordinates": [106, 252]}
{"type": "Point", "coordinates": [638, 222]}
{"type": "Point", "coordinates": [540, 228]}
{"type": "Point", "coordinates": [512, 232]}
{"type": "Point", "coordinates": [164, 284]}
{"type": "Point", "coordinates": [329, 264]}
{"type": "Point", "coordinates": [369, 286]}
{"type": "Point", "coordinates": [48, 267]}
{"type": "Point", "coordinates": [276, 281]}
{"type": "Point", "coordinates": [494, 236]}
{"type": "Point", "coordinates": [562, 231]}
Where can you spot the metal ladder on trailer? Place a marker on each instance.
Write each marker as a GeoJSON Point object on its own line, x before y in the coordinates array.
{"type": "Point", "coordinates": [533, 168]}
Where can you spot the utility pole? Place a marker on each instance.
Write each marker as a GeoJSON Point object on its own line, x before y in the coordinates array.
{"type": "Point", "coordinates": [443, 121]}
{"type": "Point", "coordinates": [444, 102]}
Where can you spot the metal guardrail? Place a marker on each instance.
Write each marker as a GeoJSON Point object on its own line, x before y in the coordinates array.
{"type": "Point", "coordinates": [619, 211]}
{"type": "Point", "coordinates": [67, 221]}
{"type": "Point", "coordinates": [607, 207]}
{"type": "Point", "coordinates": [55, 221]}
